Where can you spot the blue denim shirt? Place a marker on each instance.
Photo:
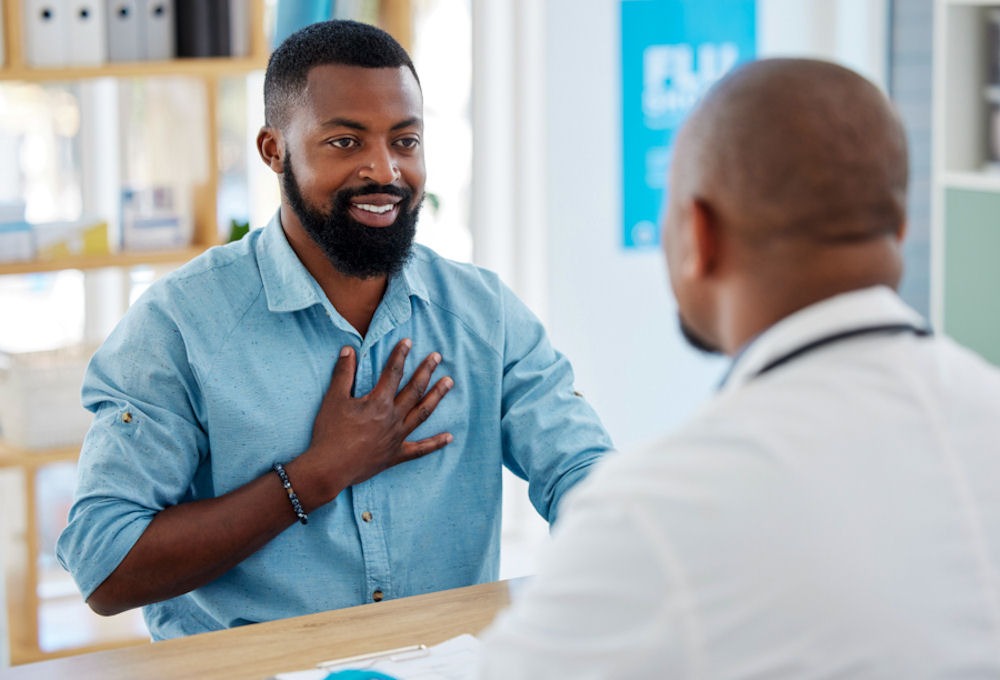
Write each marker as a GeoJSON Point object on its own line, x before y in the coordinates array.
{"type": "Point", "coordinates": [222, 365]}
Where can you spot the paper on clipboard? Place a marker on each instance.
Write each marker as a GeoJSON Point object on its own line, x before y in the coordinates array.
{"type": "Point", "coordinates": [454, 659]}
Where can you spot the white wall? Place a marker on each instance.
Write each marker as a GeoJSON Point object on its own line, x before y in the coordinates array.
{"type": "Point", "coordinates": [852, 32]}
{"type": "Point", "coordinates": [547, 211]}
{"type": "Point", "coordinates": [610, 309]}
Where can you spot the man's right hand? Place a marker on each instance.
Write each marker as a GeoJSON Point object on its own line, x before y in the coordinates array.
{"type": "Point", "coordinates": [354, 439]}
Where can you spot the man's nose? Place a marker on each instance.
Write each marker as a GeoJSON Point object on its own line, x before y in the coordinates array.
{"type": "Point", "coordinates": [380, 167]}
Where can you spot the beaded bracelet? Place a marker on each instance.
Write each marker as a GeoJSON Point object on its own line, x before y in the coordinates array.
{"type": "Point", "coordinates": [285, 482]}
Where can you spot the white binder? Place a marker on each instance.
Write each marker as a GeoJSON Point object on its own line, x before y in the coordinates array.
{"type": "Point", "coordinates": [123, 30]}
{"type": "Point", "coordinates": [86, 42]}
{"type": "Point", "coordinates": [156, 28]}
{"type": "Point", "coordinates": [239, 26]}
{"type": "Point", "coordinates": [46, 32]}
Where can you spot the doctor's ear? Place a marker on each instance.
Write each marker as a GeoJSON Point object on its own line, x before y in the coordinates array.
{"type": "Point", "coordinates": [901, 231]}
{"type": "Point", "coordinates": [271, 147]}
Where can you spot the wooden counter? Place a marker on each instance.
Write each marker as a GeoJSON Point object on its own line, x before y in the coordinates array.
{"type": "Point", "coordinates": [261, 650]}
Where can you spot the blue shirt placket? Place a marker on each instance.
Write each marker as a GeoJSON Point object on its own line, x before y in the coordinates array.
{"type": "Point", "coordinates": [368, 497]}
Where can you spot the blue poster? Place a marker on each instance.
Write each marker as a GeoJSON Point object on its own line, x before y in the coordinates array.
{"type": "Point", "coordinates": [672, 51]}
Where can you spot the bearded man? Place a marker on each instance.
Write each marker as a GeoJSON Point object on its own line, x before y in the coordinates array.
{"type": "Point", "coordinates": [228, 478]}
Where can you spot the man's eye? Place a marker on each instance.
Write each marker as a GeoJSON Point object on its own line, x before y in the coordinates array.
{"type": "Point", "coordinates": [409, 142]}
{"type": "Point", "coordinates": [343, 143]}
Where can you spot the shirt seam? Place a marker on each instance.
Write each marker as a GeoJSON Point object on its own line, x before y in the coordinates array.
{"type": "Point", "coordinates": [224, 338]}
{"type": "Point", "coordinates": [472, 331]}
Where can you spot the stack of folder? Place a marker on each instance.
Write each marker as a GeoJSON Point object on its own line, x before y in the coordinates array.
{"type": "Point", "coordinates": [93, 32]}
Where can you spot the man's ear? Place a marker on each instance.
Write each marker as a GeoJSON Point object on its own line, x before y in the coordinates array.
{"type": "Point", "coordinates": [271, 147]}
{"type": "Point", "coordinates": [704, 251]}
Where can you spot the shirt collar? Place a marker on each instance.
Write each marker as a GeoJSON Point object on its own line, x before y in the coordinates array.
{"type": "Point", "coordinates": [856, 309]}
{"type": "Point", "coordinates": [289, 286]}
{"type": "Point", "coordinates": [412, 282]}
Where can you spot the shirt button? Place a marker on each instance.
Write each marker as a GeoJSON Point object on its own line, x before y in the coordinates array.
{"type": "Point", "coordinates": [127, 417]}
{"type": "Point", "coordinates": [366, 516]}
{"type": "Point", "coordinates": [377, 596]}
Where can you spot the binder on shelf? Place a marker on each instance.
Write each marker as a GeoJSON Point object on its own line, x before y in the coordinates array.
{"type": "Point", "coordinates": [991, 93]}
{"type": "Point", "coordinates": [156, 29]}
{"type": "Point", "coordinates": [56, 240]}
{"type": "Point", "coordinates": [239, 28]}
{"type": "Point", "coordinates": [123, 30]}
{"type": "Point", "coordinates": [46, 32]}
{"type": "Point", "coordinates": [291, 15]}
{"type": "Point", "coordinates": [993, 46]}
{"type": "Point", "coordinates": [16, 242]}
{"type": "Point", "coordinates": [155, 218]}
{"type": "Point", "coordinates": [193, 35]}
{"type": "Point", "coordinates": [87, 44]}
{"type": "Point", "coordinates": [220, 38]}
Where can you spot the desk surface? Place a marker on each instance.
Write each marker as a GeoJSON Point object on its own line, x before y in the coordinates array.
{"type": "Point", "coordinates": [260, 650]}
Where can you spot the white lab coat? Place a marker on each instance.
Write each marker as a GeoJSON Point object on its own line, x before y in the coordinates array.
{"type": "Point", "coordinates": [835, 517]}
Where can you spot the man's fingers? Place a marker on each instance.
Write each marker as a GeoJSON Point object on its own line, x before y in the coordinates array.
{"type": "Point", "coordinates": [414, 390]}
{"type": "Point", "coordinates": [392, 375]}
{"type": "Point", "coordinates": [423, 410]}
{"type": "Point", "coordinates": [343, 372]}
{"type": "Point", "coordinates": [422, 447]}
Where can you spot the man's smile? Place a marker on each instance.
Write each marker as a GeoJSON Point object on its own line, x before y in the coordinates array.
{"type": "Point", "coordinates": [375, 210]}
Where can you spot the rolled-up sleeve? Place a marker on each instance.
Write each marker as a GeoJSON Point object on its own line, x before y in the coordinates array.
{"type": "Point", "coordinates": [143, 447]}
{"type": "Point", "coordinates": [551, 435]}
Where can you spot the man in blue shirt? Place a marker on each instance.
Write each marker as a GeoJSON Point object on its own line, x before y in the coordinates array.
{"type": "Point", "coordinates": [227, 478]}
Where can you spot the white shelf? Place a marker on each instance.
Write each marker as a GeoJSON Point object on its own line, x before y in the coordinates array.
{"type": "Point", "coordinates": [972, 3]}
{"type": "Point", "coordinates": [973, 181]}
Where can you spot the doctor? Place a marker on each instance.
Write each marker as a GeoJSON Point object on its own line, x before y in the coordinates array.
{"type": "Point", "coordinates": [832, 511]}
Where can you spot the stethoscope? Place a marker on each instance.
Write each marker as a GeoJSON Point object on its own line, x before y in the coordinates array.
{"type": "Point", "coordinates": [883, 329]}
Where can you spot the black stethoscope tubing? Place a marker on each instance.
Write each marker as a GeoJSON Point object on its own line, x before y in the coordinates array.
{"type": "Point", "coordinates": [884, 329]}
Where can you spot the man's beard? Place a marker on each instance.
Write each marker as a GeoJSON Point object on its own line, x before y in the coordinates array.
{"type": "Point", "coordinates": [354, 249]}
{"type": "Point", "coordinates": [695, 340]}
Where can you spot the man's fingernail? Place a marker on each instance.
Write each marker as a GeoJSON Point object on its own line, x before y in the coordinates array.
{"type": "Point", "coordinates": [345, 350]}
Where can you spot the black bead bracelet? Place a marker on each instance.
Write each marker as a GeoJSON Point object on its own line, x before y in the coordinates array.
{"type": "Point", "coordinates": [285, 482]}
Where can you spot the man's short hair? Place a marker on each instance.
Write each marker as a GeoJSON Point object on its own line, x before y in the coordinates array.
{"type": "Point", "coordinates": [350, 43]}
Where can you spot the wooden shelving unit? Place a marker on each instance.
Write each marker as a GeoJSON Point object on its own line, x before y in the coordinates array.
{"type": "Point", "coordinates": [208, 71]}
{"type": "Point", "coordinates": [23, 599]}
{"type": "Point", "coordinates": [22, 583]}
{"type": "Point", "coordinates": [120, 259]}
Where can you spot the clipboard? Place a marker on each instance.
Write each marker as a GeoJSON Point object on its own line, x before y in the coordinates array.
{"type": "Point", "coordinates": [454, 659]}
{"type": "Point", "coordinates": [366, 661]}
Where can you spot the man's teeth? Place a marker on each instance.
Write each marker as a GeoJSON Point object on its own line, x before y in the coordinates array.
{"type": "Point", "coordinates": [377, 209]}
